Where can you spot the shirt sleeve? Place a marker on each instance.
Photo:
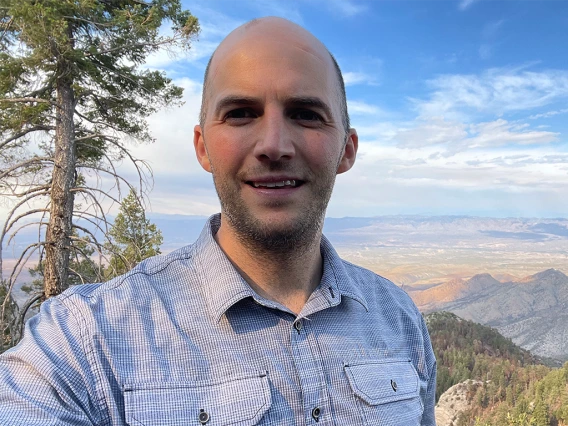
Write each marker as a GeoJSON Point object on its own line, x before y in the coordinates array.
{"type": "Point", "coordinates": [46, 379]}
{"type": "Point", "coordinates": [428, 417]}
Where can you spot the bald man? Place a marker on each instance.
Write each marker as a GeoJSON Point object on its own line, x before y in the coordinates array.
{"type": "Point", "coordinates": [259, 322]}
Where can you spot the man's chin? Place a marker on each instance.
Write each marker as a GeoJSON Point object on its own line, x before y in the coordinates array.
{"type": "Point", "coordinates": [275, 233]}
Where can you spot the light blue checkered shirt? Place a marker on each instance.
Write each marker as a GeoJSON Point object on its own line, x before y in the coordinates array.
{"type": "Point", "coordinates": [183, 340]}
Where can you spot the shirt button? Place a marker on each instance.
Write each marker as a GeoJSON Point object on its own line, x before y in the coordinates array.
{"type": "Point", "coordinates": [316, 414]}
{"type": "Point", "coordinates": [298, 326]}
{"type": "Point", "coordinates": [203, 416]}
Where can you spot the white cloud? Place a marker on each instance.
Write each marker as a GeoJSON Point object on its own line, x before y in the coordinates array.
{"type": "Point", "coordinates": [548, 114]}
{"type": "Point", "coordinates": [485, 51]}
{"type": "Point", "coordinates": [495, 91]}
{"type": "Point", "coordinates": [491, 29]}
{"type": "Point", "coordinates": [391, 180]}
{"type": "Point", "coordinates": [358, 107]}
{"type": "Point", "coordinates": [345, 7]}
{"type": "Point", "coordinates": [180, 184]}
{"type": "Point", "coordinates": [501, 132]}
{"type": "Point", "coordinates": [381, 132]}
{"type": "Point", "coordinates": [464, 4]}
{"type": "Point", "coordinates": [454, 136]}
{"type": "Point", "coordinates": [353, 78]}
{"type": "Point", "coordinates": [284, 9]}
{"type": "Point", "coordinates": [435, 131]}
{"type": "Point", "coordinates": [477, 171]}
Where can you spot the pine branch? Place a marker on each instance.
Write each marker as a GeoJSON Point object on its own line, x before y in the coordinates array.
{"type": "Point", "coordinates": [30, 100]}
{"type": "Point", "coordinates": [165, 41]}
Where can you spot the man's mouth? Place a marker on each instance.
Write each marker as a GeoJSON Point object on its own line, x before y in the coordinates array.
{"type": "Point", "coordinates": [277, 184]}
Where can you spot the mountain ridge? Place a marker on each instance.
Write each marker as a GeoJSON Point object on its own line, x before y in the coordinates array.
{"type": "Point", "coordinates": [533, 311]}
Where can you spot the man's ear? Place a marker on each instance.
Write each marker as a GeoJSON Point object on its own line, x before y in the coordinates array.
{"type": "Point", "coordinates": [200, 150]}
{"type": "Point", "coordinates": [349, 152]}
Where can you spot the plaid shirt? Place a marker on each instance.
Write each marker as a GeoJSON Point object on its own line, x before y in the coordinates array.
{"type": "Point", "coordinates": [182, 339]}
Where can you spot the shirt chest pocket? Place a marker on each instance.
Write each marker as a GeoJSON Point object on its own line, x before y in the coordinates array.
{"type": "Point", "coordinates": [236, 402]}
{"type": "Point", "coordinates": [387, 392]}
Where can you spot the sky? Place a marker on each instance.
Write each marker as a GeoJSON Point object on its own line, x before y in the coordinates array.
{"type": "Point", "coordinates": [461, 106]}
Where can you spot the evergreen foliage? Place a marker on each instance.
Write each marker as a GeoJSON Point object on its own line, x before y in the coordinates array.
{"type": "Point", "coordinates": [132, 237]}
{"type": "Point", "coordinates": [517, 389]}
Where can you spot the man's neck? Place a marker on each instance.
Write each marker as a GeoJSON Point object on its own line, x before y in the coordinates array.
{"type": "Point", "coordinates": [286, 278]}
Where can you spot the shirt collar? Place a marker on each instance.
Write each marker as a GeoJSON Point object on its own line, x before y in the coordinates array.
{"type": "Point", "coordinates": [224, 286]}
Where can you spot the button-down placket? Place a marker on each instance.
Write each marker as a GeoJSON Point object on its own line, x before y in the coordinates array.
{"type": "Point", "coordinates": [310, 372]}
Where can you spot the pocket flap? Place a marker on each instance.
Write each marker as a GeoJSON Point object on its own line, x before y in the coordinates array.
{"type": "Point", "coordinates": [382, 381]}
{"type": "Point", "coordinates": [242, 401]}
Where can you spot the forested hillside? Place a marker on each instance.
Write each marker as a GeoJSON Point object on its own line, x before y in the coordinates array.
{"type": "Point", "coordinates": [517, 388]}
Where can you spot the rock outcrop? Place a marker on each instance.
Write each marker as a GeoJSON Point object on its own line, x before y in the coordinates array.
{"type": "Point", "coordinates": [453, 402]}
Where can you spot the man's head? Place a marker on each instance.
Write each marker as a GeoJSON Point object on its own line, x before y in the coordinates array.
{"type": "Point", "coordinates": [340, 89]}
{"type": "Point", "coordinates": [274, 133]}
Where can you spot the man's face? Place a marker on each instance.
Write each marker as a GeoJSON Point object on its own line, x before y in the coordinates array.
{"type": "Point", "coordinates": [273, 137]}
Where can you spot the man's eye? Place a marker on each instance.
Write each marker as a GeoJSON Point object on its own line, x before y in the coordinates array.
{"type": "Point", "coordinates": [240, 113]}
{"type": "Point", "coordinates": [306, 115]}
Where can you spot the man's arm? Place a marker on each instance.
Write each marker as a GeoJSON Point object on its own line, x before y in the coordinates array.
{"type": "Point", "coordinates": [46, 379]}
{"type": "Point", "coordinates": [428, 418]}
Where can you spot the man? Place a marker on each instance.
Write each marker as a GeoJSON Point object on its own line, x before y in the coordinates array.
{"type": "Point", "coordinates": [259, 322]}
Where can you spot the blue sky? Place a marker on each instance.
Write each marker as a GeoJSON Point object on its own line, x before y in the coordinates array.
{"type": "Point", "coordinates": [461, 106]}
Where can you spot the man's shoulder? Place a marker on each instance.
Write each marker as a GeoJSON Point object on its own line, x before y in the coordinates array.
{"type": "Point", "coordinates": [152, 274]}
{"type": "Point", "coordinates": [376, 287]}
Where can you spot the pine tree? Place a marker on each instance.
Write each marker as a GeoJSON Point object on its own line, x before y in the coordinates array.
{"type": "Point", "coordinates": [70, 74]}
{"type": "Point", "coordinates": [541, 412]}
{"type": "Point", "coordinates": [72, 92]}
{"type": "Point", "coordinates": [133, 238]}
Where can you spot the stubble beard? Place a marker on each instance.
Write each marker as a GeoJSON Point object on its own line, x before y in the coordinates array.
{"type": "Point", "coordinates": [272, 238]}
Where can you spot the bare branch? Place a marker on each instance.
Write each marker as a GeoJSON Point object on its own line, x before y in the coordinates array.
{"type": "Point", "coordinates": [96, 202]}
{"type": "Point", "coordinates": [135, 161]}
{"type": "Point", "coordinates": [24, 133]}
{"type": "Point", "coordinates": [77, 274]}
{"type": "Point", "coordinates": [31, 161]}
{"type": "Point", "coordinates": [24, 311]}
{"type": "Point", "coordinates": [116, 176]}
{"type": "Point", "coordinates": [30, 191]}
{"type": "Point", "coordinates": [139, 171]}
{"type": "Point", "coordinates": [8, 218]}
{"type": "Point", "coordinates": [106, 194]}
{"type": "Point", "coordinates": [40, 223]}
{"type": "Point", "coordinates": [18, 268]}
{"type": "Point", "coordinates": [101, 247]}
{"type": "Point", "coordinates": [14, 221]}
{"type": "Point", "coordinates": [80, 215]}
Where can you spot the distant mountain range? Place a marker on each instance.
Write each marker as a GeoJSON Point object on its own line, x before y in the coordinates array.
{"type": "Point", "coordinates": [532, 311]}
{"type": "Point", "coordinates": [440, 256]}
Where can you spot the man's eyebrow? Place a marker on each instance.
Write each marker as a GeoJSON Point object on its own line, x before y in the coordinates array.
{"type": "Point", "coordinates": [310, 102]}
{"type": "Point", "coordinates": [233, 100]}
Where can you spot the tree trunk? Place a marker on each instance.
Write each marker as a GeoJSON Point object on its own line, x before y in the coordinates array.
{"type": "Point", "coordinates": [63, 180]}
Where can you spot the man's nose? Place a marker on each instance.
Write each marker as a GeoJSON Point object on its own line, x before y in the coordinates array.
{"type": "Point", "coordinates": [274, 139]}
